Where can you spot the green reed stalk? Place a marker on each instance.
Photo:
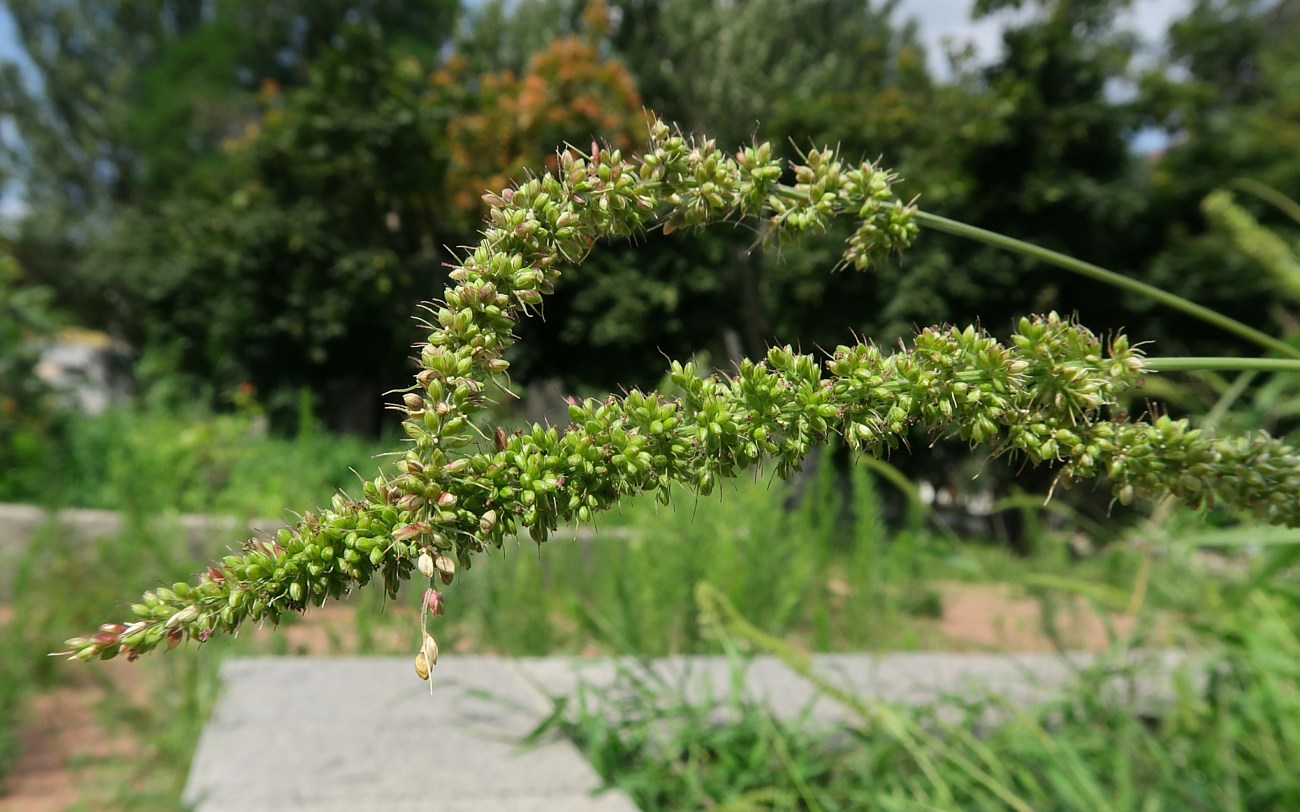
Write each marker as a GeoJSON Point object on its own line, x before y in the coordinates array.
{"type": "Point", "coordinates": [1164, 297]}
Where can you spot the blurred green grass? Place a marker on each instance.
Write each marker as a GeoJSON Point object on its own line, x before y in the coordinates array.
{"type": "Point", "coordinates": [814, 562]}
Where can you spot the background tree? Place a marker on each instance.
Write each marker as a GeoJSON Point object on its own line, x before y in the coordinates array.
{"type": "Point", "coordinates": [122, 103]}
{"type": "Point", "coordinates": [1056, 170]}
{"type": "Point", "coordinates": [613, 317]}
{"type": "Point", "coordinates": [297, 267]}
{"type": "Point", "coordinates": [29, 416]}
{"type": "Point", "coordinates": [323, 212]}
{"type": "Point", "coordinates": [511, 122]}
{"type": "Point", "coordinates": [301, 269]}
{"type": "Point", "coordinates": [1228, 97]}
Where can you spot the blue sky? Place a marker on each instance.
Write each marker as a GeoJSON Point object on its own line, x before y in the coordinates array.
{"type": "Point", "coordinates": [10, 204]}
{"type": "Point", "coordinates": [6, 32]}
{"type": "Point", "coordinates": [8, 37]}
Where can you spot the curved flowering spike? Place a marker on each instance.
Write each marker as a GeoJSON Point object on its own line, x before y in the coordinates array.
{"type": "Point", "coordinates": [1045, 395]}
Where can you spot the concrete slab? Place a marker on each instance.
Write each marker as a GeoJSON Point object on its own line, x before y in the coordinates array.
{"type": "Point", "coordinates": [948, 681]}
{"type": "Point", "coordinates": [902, 679]}
{"type": "Point", "coordinates": [364, 734]}
{"type": "Point", "coordinates": [701, 680]}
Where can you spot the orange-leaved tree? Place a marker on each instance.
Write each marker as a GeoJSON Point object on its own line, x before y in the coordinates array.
{"type": "Point", "coordinates": [567, 94]}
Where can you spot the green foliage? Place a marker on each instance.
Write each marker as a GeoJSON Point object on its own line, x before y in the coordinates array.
{"type": "Point", "coordinates": [1249, 402]}
{"type": "Point", "coordinates": [148, 461]}
{"type": "Point", "coordinates": [294, 263]}
{"type": "Point", "coordinates": [1222, 739]}
{"type": "Point", "coordinates": [1269, 250]}
{"type": "Point", "coordinates": [722, 68]}
{"type": "Point", "coordinates": [816, 573]}
{"type": "Point", "coordinates": [1085, 751]}
{"type": "Point", "coordinates": [29, 413]}
{"type": "Point", "coordinates": [1227, 93]}
{"type": "Point", "coordinates": [27, 426]}
{"type": "Point", "coordinates": [736, 72]}
{"type": "Point", "coordinates": [567, 92]}
{"type": "Point", "coordinates": [218, 463]}
{"type": "Point", "coordinates": [324, 234]}
{"type": "Point", "coordinates": [573, 597]}
{"type": "Point", "coordinates": [141, 89]}
{"type": "Point", "coordinates": [165, 452]}
{"type": "Point", "coordinates": [178, 696]}
{"type": "Point", "coordinates": [1030, 145]}
{"type": "Point", "coordinates": [124, 114]}
{"type": "Point", "coordinates": [619, 313]}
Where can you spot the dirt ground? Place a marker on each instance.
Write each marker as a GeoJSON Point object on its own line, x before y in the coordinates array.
{"type": "Point", "coordinates": [61, 738]}
{"type": "Point", "coordinates": [64, 737]}
{"type": "Point", "coordinates": [991, 617]}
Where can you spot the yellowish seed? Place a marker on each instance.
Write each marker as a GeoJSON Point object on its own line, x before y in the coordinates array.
{"type": "Point", "coordinates": [429, 649]}
{"type": "Point", "coordinates": [426, 565]}
{"type": "Point", "coordinates": [446, 567]}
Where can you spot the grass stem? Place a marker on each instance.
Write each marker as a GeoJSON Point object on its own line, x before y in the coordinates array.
{"type": "Point", "coordinates": [1118, 280]}
{"type": "Point", "coordinates": [1222, 364]}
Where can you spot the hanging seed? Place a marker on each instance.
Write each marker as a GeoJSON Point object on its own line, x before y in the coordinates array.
{"type": "Point", "coordinates": [422, 665]}
{"type": "Point", "coordinates": [430, 650]}
{"type": "Point", "coordinates": [426, 565]}
{"type": "Point", "coordinates": [446, 567]}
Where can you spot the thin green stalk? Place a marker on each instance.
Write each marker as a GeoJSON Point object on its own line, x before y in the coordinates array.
{"type": "Point", "coordinates": [1229, 399]}
{"type": "Point", "coordinates": [1091, 271]}
{"type": "Point", "coordinates": [1269, 195]}
{"type": "Point", "coordinates": [1222, 364]}
{"type": "Point", "coordinates": [905, 486]}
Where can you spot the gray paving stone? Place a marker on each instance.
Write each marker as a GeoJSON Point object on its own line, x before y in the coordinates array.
{"type": "Point", "coordinates": [906, 679]}
{"type": "Point", "coordinates": [1019, 680]}
{"type": "Point", "coordinates": [701, 680]}
{"type": "Point", "coordinates": [364, 734]}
